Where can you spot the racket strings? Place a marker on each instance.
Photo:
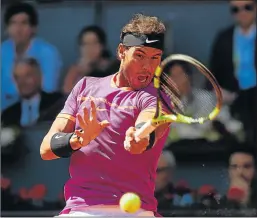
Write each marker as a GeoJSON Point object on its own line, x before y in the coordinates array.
{"type": "Point", "coordinates": [169, 81]}
{"type": "Point", "coordinates": [197, 103]}
{"type": "Point", "coordinates": [203, 102]}
{"type": "Point", "coordinates": [169, 87]}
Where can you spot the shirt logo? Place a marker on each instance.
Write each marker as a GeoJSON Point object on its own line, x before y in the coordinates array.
{"type": "Point", "coordinates": [150, 41]}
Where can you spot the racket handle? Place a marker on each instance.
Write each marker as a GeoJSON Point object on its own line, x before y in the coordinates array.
{"type": "Point", "coordinates": [144, 131]}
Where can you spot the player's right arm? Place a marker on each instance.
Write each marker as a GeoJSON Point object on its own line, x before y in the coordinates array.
{"type": "Point", "coordinates": [62, 139]}
{"type": "Point", "coordinates": [64, 123]}
{"type": "Point", "coordinates": [59, 125]}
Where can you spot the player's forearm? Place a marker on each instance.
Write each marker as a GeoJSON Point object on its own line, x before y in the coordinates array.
{"type": "Point", "coordinates": [61, 125]}
{"type": "Point", "coordinates": [147, 115]}
{"type": "Point", "coordinates": [49, 151]}
{"type": "Point", "coordinates": [46, 149]}
{"type": "Point", "coordinates": [46, 152]}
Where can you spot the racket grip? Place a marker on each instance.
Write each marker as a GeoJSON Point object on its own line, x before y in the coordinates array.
{"type": "Point", "coordinates": [144, 131]}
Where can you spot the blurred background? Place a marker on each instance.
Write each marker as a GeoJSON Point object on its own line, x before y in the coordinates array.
{"type": "Point", "coordinates": [48, 45]}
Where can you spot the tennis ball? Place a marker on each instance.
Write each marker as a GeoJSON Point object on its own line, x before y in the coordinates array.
{"type": "Point", "coordinates": [130, 202]}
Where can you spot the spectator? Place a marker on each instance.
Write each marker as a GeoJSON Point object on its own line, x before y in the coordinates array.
{"type": "Point", "coordinates": [182, 74]}
{"type": "Point", "coordinates": [233, 61]}
{"type": "Point", "coordinates": [7, 203]}
{"type": "Point", "coordinates": [242, 175]}
{"type": "Point", "coordinates": [94, 57]}
{"type": "Point", "coordinates": [34, 102]}
{"type": "Point", "coordinates": [207, 197]}
{"type": "Point", "coordinates": [164, 189]}
{"type": "Point", "coordinates": [183, 196]}
{"type": "Point", "coordinates": [21, 20]}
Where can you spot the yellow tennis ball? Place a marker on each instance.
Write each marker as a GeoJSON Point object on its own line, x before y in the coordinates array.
{"type": "Point", "coordinates": [130, 202]}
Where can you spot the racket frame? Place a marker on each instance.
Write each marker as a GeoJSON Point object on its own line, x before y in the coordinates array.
{"type": "Point", "coordinates": [160, 117]}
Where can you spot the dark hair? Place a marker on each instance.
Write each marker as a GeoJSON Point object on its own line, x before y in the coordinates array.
{"type": "Point", "coordinates": [141, 23]}
{"type": "Point", "coordinates": [94, 29]}
{"type": "Point", "coordinates": [245, 149]}
{"type": "Point", "coordinates": [100, 35]}
{"type": "Point", "coordinates": [21, 8]}
{"type": "Point", "coordinates": [185, 66]}
{"type": "Point", "coordinates": [29, 61]}
{"type": "Point", "coordinates": [249, 150]}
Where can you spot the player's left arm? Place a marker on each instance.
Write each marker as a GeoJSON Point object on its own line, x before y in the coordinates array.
{"type": "Point", "coordinates": [147, 115]}
{"type": "Point", "coordinates": [146, 104]}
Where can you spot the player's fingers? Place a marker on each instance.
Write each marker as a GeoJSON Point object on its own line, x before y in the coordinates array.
{"type": "Point", "coordinates": [93, 111]}
{"type": "Point", "coordinates": [79, 133]}
{"type": "Point", "coordinates": [129, 138]}
{"type": "Point", "coordinates": [104, 124]}
{"type": "Point", "coordinates": [81, 122]}
{"type": "Point", "coordinates": [130, 132]}
{"type": "Point", "coordinates": [126, 145]}
{"type": "Point", "coordinates": [86, 116]}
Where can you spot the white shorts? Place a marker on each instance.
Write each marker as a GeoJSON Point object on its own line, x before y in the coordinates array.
{"type": "Point", "coordinates": [106, 211]}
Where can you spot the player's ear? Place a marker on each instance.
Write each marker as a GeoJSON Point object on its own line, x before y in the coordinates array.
{"type": "Point", "coordinates": [121, 51]}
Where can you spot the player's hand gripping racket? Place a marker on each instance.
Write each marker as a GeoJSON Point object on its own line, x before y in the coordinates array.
{"type": "Point", "coordinates": [186, 101]}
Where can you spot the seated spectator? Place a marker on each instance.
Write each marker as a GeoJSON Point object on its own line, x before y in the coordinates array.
{"type": "Point", "coordinates": [21, 20]}
{"type": "Point", "coordinates": [233, 62]}
{"type": "Point", "coordinates": [207, 198]}
{"type": "Point", "coordinates": [6, 197]}
{"type": "Point", "coordinates": [183, 196]}
{"type": "Point", "coordinates": [33, 101]}
{"type": "Point", "coordinates": [182, 74]}
{"type": "Point", "coordinates": [164, 190]}
{"type": "Point", "coordinates": [242, 191]}
{"type": "Point", "coordinates": [94, 57]}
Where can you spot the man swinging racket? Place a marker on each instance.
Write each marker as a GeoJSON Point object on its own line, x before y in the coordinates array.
{"type": "Point", "coordinates": [97, 124]}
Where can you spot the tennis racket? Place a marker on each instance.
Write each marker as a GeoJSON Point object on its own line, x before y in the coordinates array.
{"type": "Point", "coordinates": [179, 97]}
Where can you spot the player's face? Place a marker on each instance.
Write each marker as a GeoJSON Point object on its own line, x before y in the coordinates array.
{"type": "Point", "coordinates": [242, 165]}
{"type": "Point", "coordinates": [91, 48]}
{"type": "Point", "coordinates": [244, 12]}
{"type": "Point", "coordinates": [27, 80]}
{"type": "Point", "coordinates": [19, 28]}
{"type": "Point", "coordinates": [138, 65]}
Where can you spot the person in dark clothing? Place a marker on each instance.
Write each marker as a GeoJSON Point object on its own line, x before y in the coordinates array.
{"type": "Point", "coordinates": [33, 101]}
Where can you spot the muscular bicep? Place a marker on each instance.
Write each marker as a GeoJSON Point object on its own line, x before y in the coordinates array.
{"type": "Point", "coordinates": [60, 124]}
{"type": "Point", "coordinates": [147, 115]}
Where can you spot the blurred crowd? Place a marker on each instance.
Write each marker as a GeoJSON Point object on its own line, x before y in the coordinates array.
{"type": "Point", "coordinates": [241, 193]}
{"type": "Point", "coordinates": [33, 91]}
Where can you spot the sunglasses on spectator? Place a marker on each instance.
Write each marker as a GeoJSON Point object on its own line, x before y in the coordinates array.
{"type": "Point", "coordinates": [236, 10]}
{"type": "Point", "coordinates": [163, 169]}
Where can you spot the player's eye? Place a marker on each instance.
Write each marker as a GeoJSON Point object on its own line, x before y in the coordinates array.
{"type": "Point", "coordinates": [233, 166]}
{"type": "Point", "coordinates": [155, 58]}
{"type": "Point", "coordinates": [139, 56]}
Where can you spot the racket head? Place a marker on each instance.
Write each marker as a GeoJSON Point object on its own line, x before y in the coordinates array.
{"type": "Point", "coordinates": [210, 102]}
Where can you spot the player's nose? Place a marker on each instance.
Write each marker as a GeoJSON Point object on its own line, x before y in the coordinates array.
{"type": "Point", "coordinates": [147, 66]}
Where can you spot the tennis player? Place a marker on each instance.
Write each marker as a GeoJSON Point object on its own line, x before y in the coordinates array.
{"type": "Point", "coordinates": [97, 124]}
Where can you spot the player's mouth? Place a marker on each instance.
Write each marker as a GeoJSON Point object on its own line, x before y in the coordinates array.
{"type": "Point", "coordinates": [143, 78]}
